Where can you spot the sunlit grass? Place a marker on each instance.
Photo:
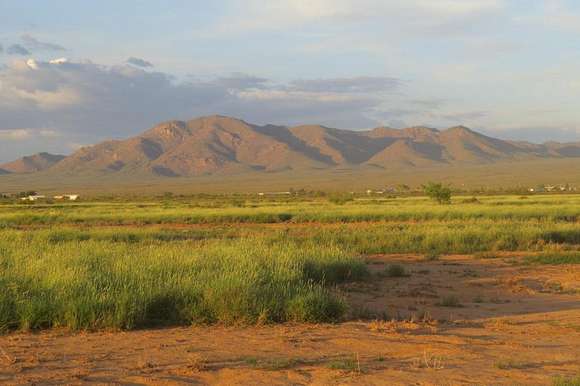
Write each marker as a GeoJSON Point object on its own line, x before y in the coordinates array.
{"type": "Point", "coordinates": [130, 265]}
{"type": "Point", "coordinates": [98, 284]}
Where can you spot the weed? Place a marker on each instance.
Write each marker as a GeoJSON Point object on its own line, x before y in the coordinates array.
{"type": "Point", "coordinates": [486, 255]}
{"type": "Point", "coordinates": [429, 361]}
{"type": "Point", "coordinates": [272, 364]}
{"type": "Point", "coordinates": [565, 381]}
{"type": "Point", "coordinates": [350, 364]}
{"type": "Point", "coordinates": [554, 258]}
{"type": "Point", "coordinates": [395, 270]}
{"type": "Point", "coordinates": [432, 256]}
{"type": "Point", "coordinates": [450, 301]}
{"type": "Point", "coordinates": [510, 363]}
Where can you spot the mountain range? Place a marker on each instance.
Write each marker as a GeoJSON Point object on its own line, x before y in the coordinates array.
{"type": "Point", "coordinates": [224, 145]}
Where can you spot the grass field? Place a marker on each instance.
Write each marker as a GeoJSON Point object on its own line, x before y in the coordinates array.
{"type": "Point", "coordinates": [245, 260]}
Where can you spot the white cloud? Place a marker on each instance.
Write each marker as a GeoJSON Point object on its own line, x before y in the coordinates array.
{"type": "Point", "coordinates": [25, 134]}
{"type": "Point", "coordinates": [280, 95]}
{"type": "Point", "coordinates": [58, 61]}
{"type": "Point", "coordinates": [31, 63]}
{"type": "Point", "coordinates": [417, 14]}
{"type": "Point", "coordinates": [48, 133]}
{"type": "Point", "coordinates": [15, 134]}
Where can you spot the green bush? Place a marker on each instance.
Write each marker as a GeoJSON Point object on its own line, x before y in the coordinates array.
{"type": "Point", "coordinates": [438, 192]}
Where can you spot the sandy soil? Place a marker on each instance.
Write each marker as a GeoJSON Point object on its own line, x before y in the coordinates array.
{"type": "Point", "coordinates": [454, 321]}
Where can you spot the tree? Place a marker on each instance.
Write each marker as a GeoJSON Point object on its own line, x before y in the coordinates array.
{"type": "Point", "coordinates": [26, 194]}
{"type": "Point", "coordinates": [438, 192]}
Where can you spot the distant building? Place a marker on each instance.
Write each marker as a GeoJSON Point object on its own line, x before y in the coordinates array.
{"type": "Point", "coordinates": [552, 188]}
{"type": "Point", "coordinates": [70, 197]}
{"type": "Point", "coordinates": [33, 198]}
{"type": "Point", "coordinates": [274, 193]}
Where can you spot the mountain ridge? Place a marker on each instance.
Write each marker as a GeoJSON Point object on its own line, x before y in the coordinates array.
{"type": "Point", "coordinates": [32, 163]}
{"type": "Point", "coordinates": [224, 145]}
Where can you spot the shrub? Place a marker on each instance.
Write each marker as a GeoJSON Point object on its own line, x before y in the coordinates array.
{"type": "Point", "coordinates": [450, 301]}
{"type": "Point", "coordinates": [395, 270]}
{"type": "Point", "coordinates": [340, 199]}
{"type": "Point", "coordinates": [438, 192]}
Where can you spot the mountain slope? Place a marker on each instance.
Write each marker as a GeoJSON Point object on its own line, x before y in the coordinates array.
{"type": "Point", "coordinates": [202, 146]}
{"type": "Point", "coordinates": [224, 145]}
{"type": "Point", "coordinates": [31, 164]}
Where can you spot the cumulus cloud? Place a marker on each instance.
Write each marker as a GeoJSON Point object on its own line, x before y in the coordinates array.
{"type": "Point", "coordinates": [95, 100]}
{"type": "Point", "coordinates": [34, 44]}
{"type": "Point", "coordinates": [139, 62]}
{"type": "Point", "coordinates": [17, 49]}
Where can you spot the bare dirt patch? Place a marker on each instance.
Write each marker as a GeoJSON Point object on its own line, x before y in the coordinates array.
{"type": "Point", "coordinates": [457, 320]}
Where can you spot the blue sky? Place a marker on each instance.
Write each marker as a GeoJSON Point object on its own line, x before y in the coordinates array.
{"type": "Point", "coordinates": [77, 72]}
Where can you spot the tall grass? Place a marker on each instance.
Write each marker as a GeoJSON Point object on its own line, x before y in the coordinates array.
{"type": "Point", "coordinates": [97, 284]}
{"type": "Point", "coordinates": [72, 266]}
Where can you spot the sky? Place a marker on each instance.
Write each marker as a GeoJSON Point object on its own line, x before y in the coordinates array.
{"type": "Point", "coordinates": [74, 72]}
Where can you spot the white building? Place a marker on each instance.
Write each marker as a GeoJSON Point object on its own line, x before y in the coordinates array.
{"type": "Point", "coordinates": [70, 197]}
{"type": "Point", "coordinates": [33, 198]}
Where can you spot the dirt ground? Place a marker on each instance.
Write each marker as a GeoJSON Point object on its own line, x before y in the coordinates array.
{"type": "Point", "coordinates": [453, 321]}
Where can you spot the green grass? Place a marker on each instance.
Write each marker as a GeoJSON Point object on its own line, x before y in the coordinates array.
{"type": "Point", "coordinates": [98, 284]}
{"type": "Point", "coordinates": [564, 209]}
{"type": "Point", "coordinates": [554, 258]}
{"type": "Point", "coordinates": [350, 363]}
{"type": "Point", "coordinates": [565, 381]}
{"type": "Point", "coordinates": [136, 264]}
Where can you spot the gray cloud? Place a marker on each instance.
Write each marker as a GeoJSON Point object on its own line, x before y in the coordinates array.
{"type": "Point", "coordinates": [537, 134]}
{"type": "Point", "coordinates": [139, 62]}
{"type": "Point", "coordinates": [427, 103]}
{"type": "Point", "coordinates": [240, 81]}
{"type": "Point", "coordinates": [34, 44]}
{"type": "Point", "coordinates": [461, 118]}
{"type": "Point", "coordinates": [17, 49]}
{"type": "Point", "coordinates": [340, 85]}
{"type": "Point", "coordinates": [1, 48]}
